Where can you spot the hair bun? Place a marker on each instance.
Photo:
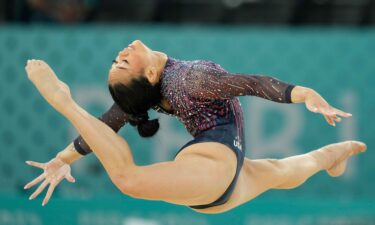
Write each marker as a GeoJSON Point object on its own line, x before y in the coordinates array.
{"type": "Point", "coordinates": [148, 128]}
{"type": "Point", "coordinates": [138, 119]}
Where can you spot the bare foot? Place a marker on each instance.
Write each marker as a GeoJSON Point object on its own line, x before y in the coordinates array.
{"type": "Point", "coordinates": [56, 92]}
{"type": "Point", "coordinates": [334, 157]}
{"type": "Point", "coordinates": [349, 148]}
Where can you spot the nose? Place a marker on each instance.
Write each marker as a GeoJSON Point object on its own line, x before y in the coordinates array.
{"type": "Point", "coordinates": [123, 52]}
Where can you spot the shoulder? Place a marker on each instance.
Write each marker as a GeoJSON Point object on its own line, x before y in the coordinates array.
{"type": "Point", "coordinates": [206, 67]}
{"type": "Point", "coordinates": [202, 70]}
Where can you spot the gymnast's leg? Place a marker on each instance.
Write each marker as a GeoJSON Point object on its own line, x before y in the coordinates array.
{"type": "Point", "coordinates": [198, 176]}
{"type": "Point", "coordinates": [262, 175]}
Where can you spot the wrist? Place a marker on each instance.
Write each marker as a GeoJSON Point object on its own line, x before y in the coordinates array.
{"type": "Point", "coordinates": [301, 94]}
{"type": "Point", "coordinates": [60, 156]}
{"type": "Point", "coordinates": [309, 94]}
{"type": "Point", "coordinates": [69, 155]}
{"type": "Point", "coordinates": [59, 160]}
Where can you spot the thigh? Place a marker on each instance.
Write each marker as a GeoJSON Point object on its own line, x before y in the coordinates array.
{"type": "Point", "coordinates": [200, 174]}
{"type": "Point", "coordinates": [256, 177]}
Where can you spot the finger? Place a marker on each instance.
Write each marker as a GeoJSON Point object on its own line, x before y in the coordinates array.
{"type": "Point", "coordinates": [36, 164]}
{"type": "Point", "coordinates": [40, 189]}
{"type": "Point", "coordinates": [326, 112]}
{"type": "Point", "coordinates": [337, 119]}
{"type": "Point", "coordinates": [342, 113]}
{"type": "Point", "coordinates": [51, 188]}
{"type": "Point", "coordinates": [333, 116]}
{"type": "Point", "coordinates": [332, 122]}
{"type": "Point", "coordinates": [331, 112]}
{"type": "Point", "coordinates": [35, 181]}
{"type": "Point", "coordinates": [329, 120]}
{"type": "Point", "coordinates": [70, 178]}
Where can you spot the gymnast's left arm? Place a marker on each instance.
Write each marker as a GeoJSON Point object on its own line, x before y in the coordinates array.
{"type": "Point", "coordinates": [210, 81]}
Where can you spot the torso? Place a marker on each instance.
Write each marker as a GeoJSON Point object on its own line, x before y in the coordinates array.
{"type": "Point", "coordinates": [201, 114]}
{"type": "Point", "coordinates": [197, 114]}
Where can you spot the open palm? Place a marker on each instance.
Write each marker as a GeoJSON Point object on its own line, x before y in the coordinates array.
{"type": "Point", "coordinates": [54, 172]}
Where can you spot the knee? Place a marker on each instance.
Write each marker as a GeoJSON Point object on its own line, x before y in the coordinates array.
{"type": "Point", "coordinates": [128, 184]}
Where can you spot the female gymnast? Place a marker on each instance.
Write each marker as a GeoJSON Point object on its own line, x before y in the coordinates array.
{"type": "Point", "coordinates": [210, 174]}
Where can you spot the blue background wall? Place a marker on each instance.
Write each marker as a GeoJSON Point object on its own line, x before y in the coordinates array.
{"type": "Point", "coordinates": [338, 63]}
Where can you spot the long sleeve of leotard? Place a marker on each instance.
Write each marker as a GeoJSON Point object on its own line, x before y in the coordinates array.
{"type": "Point", "coordinates": [114, 118]}
{"type": "Point", "coordinates": [210, 81]}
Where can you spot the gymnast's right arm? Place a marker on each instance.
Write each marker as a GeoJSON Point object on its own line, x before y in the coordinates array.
{"type": "Point", "coordinates": [58, 168]}
{"type": "Point", "coordinates": [114, 118]}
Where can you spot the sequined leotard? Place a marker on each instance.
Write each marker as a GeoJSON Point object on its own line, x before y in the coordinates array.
{"type": "Point", "coordinates": [202, 96]}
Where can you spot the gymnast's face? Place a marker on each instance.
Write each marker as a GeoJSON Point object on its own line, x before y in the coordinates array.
{"type": "Point", "coordinates": [131, 62]}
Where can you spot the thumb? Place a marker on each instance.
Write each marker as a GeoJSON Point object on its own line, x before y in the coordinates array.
{"type": "Point", "coordinates": [70, 178]}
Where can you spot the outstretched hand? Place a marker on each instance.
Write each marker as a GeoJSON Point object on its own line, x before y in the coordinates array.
{"type": "Point", "coordinates": [316, 103]}
{"type": "Point", "coordinates": [54, 172]}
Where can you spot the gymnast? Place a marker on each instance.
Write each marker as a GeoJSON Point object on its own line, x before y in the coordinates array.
{"type": "Point", "coordinates": [210, 173]}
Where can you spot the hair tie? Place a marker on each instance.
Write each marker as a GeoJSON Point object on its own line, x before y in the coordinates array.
{"type": "Point", "coordinates": [136, 120]}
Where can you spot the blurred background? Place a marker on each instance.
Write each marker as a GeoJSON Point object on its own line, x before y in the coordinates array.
{"type": "Point", "coordinates": [328, 45]}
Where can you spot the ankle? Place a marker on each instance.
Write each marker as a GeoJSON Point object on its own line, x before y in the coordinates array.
{"type": "Point", "coordinates": [320, 158]}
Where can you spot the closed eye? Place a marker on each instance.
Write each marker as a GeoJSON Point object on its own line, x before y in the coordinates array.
{"type": "Point", "coordinates": [115, 62]}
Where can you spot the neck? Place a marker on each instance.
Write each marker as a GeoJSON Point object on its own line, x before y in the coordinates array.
{"type": "Point", "coordinates": [161, 60]}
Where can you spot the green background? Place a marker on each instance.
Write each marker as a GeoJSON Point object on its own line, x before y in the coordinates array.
{"type": "Point", "coordinates": [338, 63]}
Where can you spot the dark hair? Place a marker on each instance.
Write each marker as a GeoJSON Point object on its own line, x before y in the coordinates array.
{"type": "Point", "coordinates": [135, 99]}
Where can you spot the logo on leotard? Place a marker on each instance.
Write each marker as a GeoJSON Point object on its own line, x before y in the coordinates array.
{"type": "Point", "coordinates": [237, 143]}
